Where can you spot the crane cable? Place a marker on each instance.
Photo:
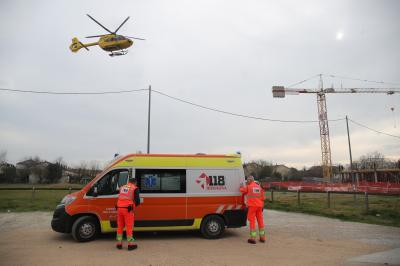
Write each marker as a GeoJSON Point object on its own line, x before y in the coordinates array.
{"type": "Point", "coordinates": [357, 79]}
{"type": "Point", "coordinates": [343, 77]}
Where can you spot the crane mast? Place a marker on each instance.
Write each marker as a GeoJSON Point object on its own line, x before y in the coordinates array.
{"type": "Point", "coordinates": [281, 91]}
{"type": "Point", "coordinates": [324, 136]}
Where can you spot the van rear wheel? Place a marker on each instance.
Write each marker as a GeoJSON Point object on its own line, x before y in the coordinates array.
{"type": "Point", "coordinates": [85, 229]}
{"type": "Point", "coordinates": [212, 227]}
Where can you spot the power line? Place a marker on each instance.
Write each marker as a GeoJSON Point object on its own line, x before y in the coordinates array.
{"type": "Point", "coordinates": [376, 131]}
{"type": "Point", "coordinates": [171, 97]}
{"type": "Point", "coordinates": [239, 115]}
{"type": "Point", "coordinates": [72, 93]}
{"type": "Point", "coordinates": [195, 104]}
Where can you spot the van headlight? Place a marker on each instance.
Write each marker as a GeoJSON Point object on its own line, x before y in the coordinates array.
{"type": "Point", "coordinates": [67, 200]}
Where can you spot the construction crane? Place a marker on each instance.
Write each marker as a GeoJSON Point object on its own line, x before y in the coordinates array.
{"type": "Point", "coordinates": [281, 91]}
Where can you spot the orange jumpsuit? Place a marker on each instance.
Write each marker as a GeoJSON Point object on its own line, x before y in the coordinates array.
{"type": "Point", "coordinates": [126, 216]}
{"type": "Point", "coordinates": [255, 204]}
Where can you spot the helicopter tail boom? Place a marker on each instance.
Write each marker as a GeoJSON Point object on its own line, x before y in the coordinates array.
{"type": "Point", "coordinates": [77, 45]}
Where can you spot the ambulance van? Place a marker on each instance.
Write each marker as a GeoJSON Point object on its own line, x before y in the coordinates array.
{"type": "Point", "coordinates": [177, 192]}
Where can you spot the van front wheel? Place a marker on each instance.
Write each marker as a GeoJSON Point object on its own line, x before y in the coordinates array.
{"type": "Point", "coordinates": [212, 227]}
{"type": "Point", "coordinates": [85, 229]}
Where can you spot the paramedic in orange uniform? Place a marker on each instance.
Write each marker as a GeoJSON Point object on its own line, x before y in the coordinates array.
{"type": "Point", "coordinates": [128, 200]}
{"type": "Point", "coordinates": [255, 203]}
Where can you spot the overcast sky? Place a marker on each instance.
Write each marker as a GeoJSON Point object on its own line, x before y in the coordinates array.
{"type": "Point", "coordinates": [222, 54]}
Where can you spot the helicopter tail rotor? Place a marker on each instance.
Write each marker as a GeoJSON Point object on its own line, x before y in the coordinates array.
{"type": "Point", "coordinates": [76, 45]}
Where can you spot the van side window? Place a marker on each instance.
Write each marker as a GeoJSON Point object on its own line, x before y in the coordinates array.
{"type": "Point", "coordinates": [161, 180]}
{"type": "Point", "coordinates": [112, 181]}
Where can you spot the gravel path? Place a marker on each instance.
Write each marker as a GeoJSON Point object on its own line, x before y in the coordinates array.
{"type": "Point", "coordinates": [293, 239]}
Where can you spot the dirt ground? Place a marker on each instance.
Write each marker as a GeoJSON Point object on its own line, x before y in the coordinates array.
{"type": "Point", "coordinates": [293, 239]}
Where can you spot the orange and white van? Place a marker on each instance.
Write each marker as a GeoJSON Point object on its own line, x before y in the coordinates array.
{"type": "Point", "coordinates": [177, 192]}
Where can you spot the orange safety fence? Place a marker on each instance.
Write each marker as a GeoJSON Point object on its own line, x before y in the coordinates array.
{"type": "Point", "coordinates": [370, 187]}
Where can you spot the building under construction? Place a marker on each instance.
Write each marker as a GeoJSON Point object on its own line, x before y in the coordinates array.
{"type": "Point", "coordinates": [388, 175]}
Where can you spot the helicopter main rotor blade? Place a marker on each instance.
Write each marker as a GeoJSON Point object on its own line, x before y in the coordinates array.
{"type": "Point", "coordinates": [96, 36]}
{"type": "Point", "coordinates": [121, 25]}
{"type": "Point", "coordinates": [99, 24]}
{"type": "Point", "coordinates": [134, 38]}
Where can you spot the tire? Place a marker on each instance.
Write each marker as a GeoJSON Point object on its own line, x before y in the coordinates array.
{"type": "Point", "coordinates": [85, 228]}
{"type": "Point", "coordinates": [212, 227]}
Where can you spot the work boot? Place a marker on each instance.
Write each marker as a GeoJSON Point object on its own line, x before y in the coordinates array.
{"type": "Point", "coordinates": [131, 243]}
{"type": "Point", "coordinates": [262, 235]}
{"type": "Point", "coordinates": [119, 241]}
{"type": "Point", "coordinates": [132, 246]}
{"type": "Point", "coordinates": [251, 241]}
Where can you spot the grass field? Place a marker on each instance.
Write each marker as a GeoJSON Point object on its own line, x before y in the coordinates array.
{"type": "Point", "coordinates": [384, 210]}
{"type": "Point", "coordinates": [22, 200]}
{"type": "Point", "coordinates": [38, 186]}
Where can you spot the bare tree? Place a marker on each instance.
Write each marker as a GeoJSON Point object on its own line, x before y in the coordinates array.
{"type": "Point", "coordinates": [372, 160]}
{"type": "Point", "coordinates": [82, 169]}
{"type": "Point", "coordinates": [259, 169]}
{"type": "Point", "coordinates": [60, 161]}
{"type": "Point", "coordinates": [55, 170]}
{"type": "Point", "coordinates": [3, 156]}
{"type": "Point", "coordinates": [94, 168]}
{"type": "Point", "coordinates": [38, 169]}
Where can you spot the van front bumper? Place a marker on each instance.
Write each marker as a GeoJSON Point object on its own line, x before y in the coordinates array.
{"type": "Point", "coordinates": [61, 221]}
{"type": "Point", "coordinates": [235, 218]}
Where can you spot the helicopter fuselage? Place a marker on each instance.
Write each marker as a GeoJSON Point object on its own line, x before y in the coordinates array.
{"type": "Point", "coordinates": [112, 42]}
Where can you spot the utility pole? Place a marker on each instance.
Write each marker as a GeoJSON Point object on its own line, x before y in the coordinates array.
{"type": "Point", "coordinates": [148, 122]}
{"type": "Point", "coordinates": [351, 157]}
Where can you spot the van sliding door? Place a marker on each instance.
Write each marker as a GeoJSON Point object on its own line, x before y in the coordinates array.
{"type": "Point", "coordinates": [163, 192]}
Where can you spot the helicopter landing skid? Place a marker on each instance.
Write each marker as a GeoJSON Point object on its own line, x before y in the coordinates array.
{"type": "Point", "coordinates": [118, 53]}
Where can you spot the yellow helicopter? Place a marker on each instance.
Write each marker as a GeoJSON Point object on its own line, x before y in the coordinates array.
{"type": "Point", "coordinates": [111, 42]}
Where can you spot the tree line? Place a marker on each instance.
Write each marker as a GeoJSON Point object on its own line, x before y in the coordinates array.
{"type": "Point", "coordinates": [36, 170]}
{"type": "Point", "coordinates": [266, 170]}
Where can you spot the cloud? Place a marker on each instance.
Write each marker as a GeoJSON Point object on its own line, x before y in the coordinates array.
{"type": "Point", "coordinates": [222, 54]}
